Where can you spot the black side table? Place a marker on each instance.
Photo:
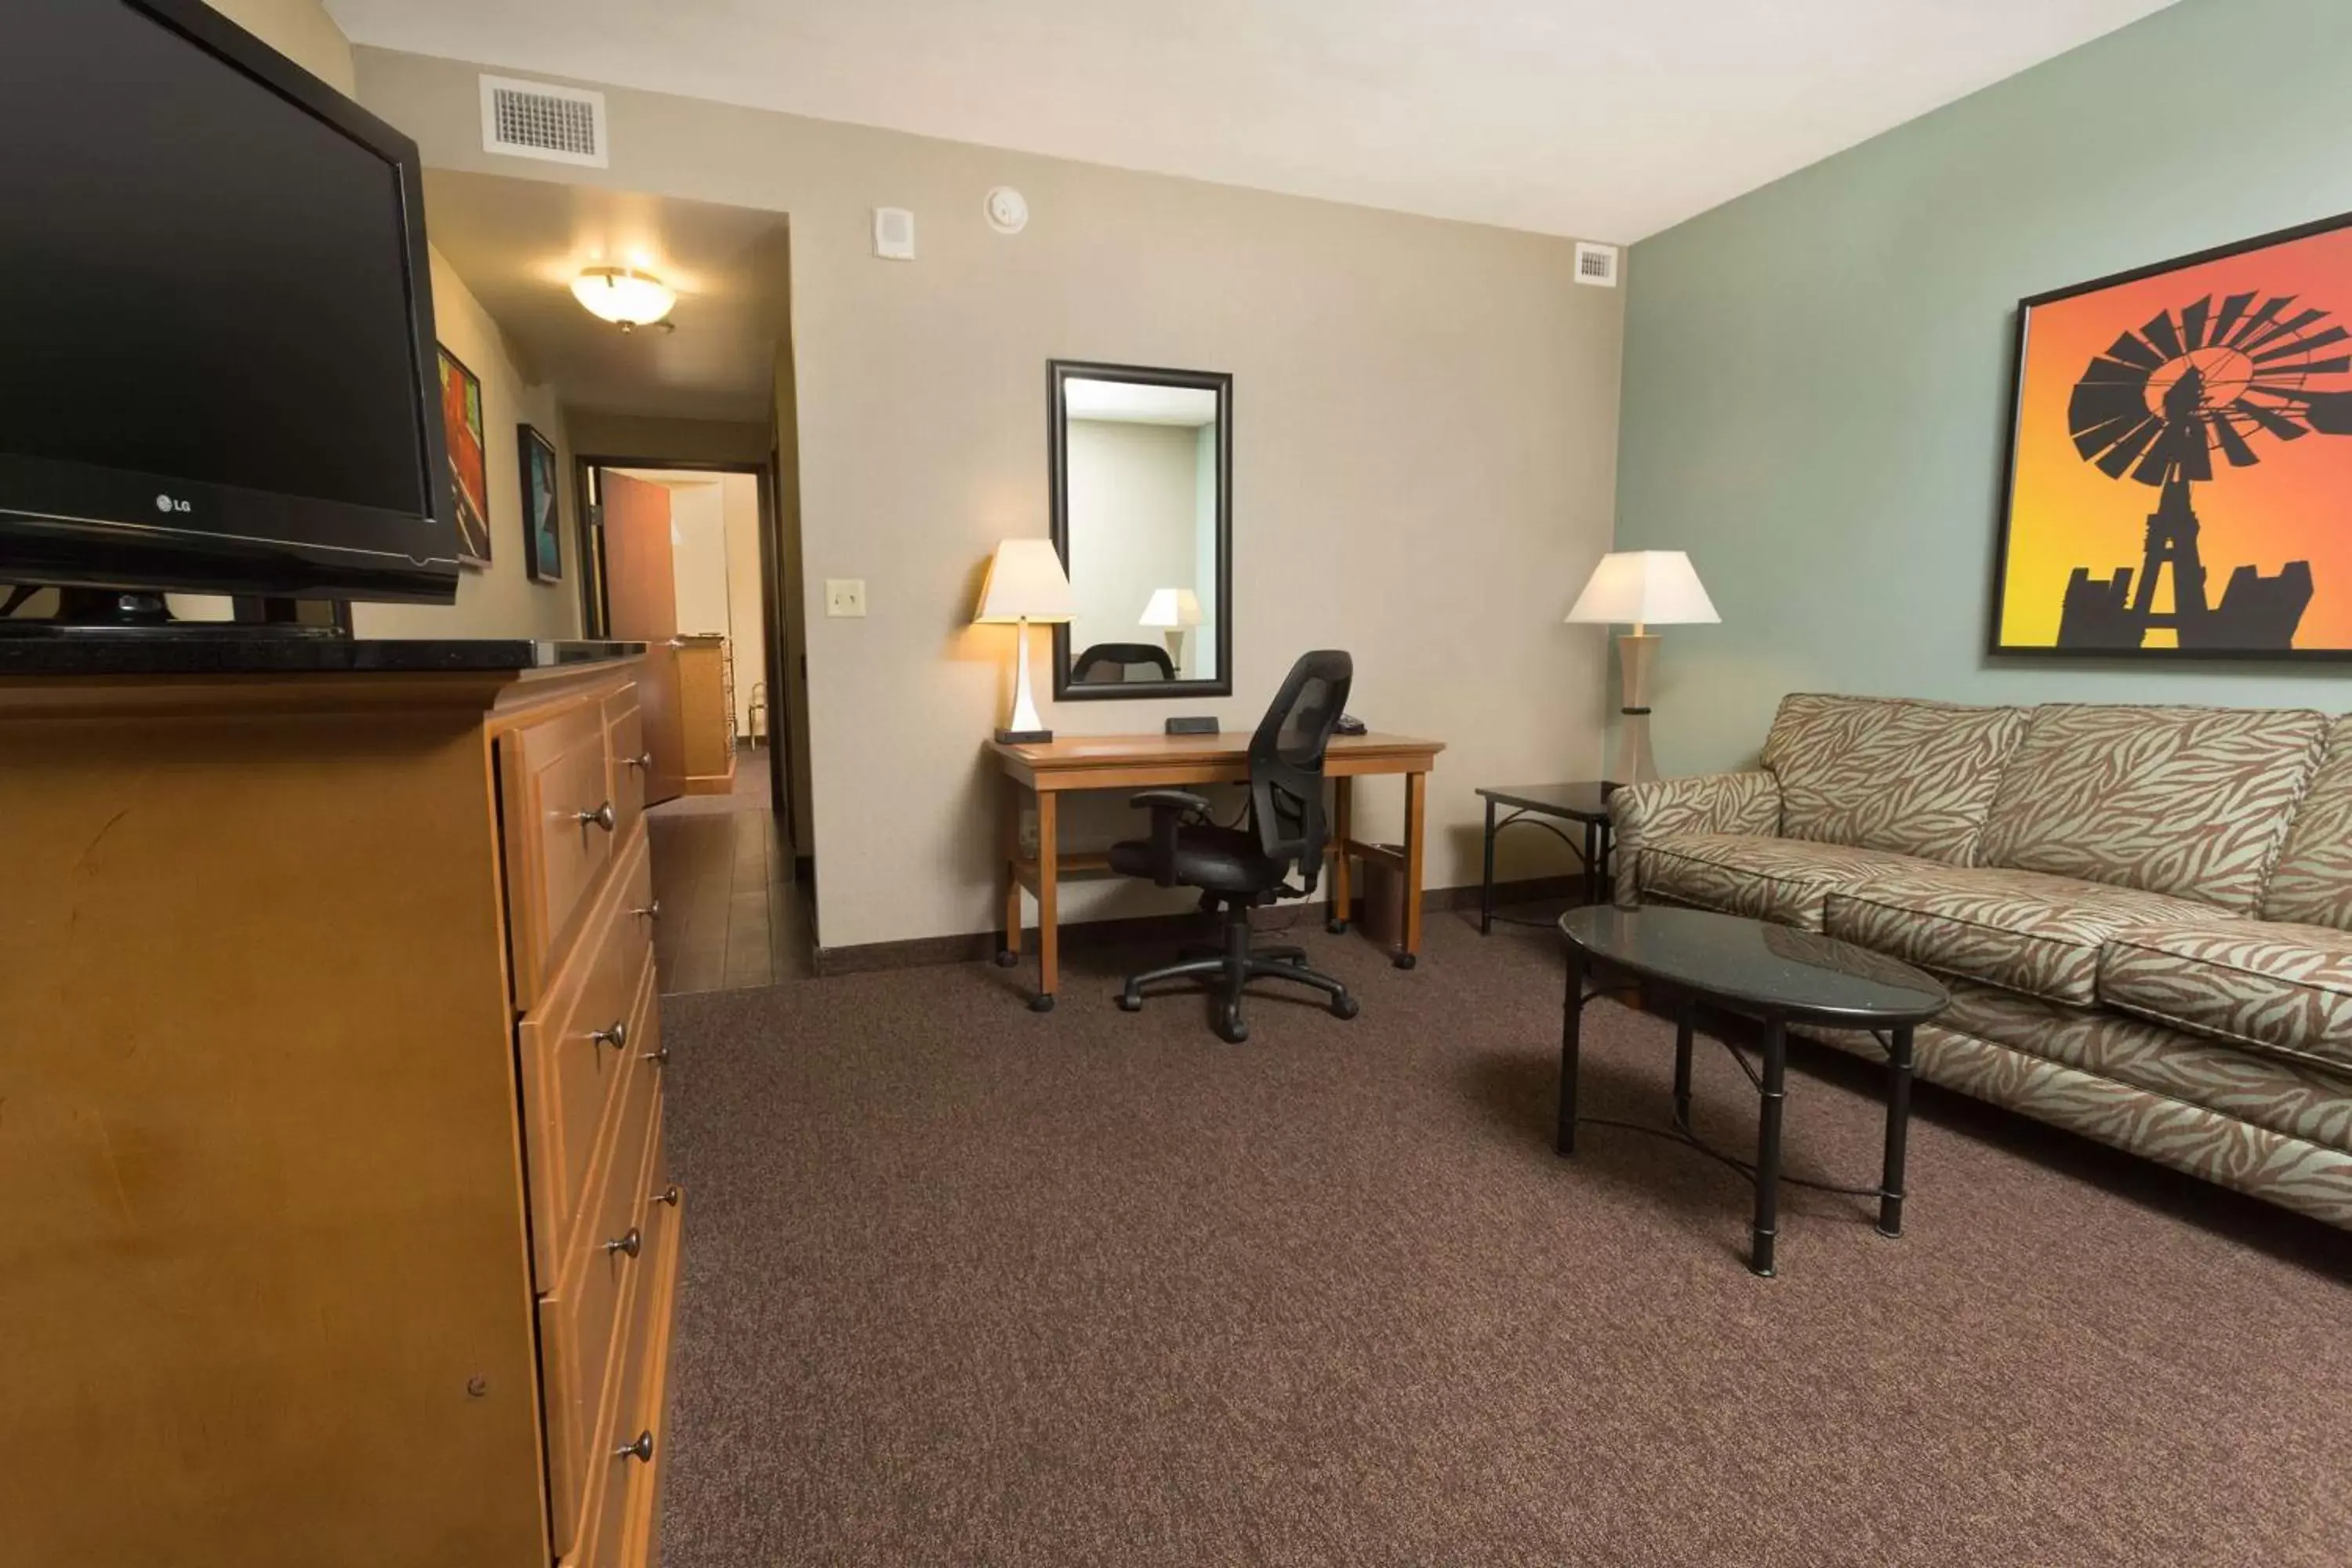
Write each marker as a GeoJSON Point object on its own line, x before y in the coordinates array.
{"type": "Point", "coordinates": [1583, 803]}
{"type": "Point", "coordinates": [1777, 977]}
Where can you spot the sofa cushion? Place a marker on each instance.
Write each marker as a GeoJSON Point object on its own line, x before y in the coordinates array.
{"type": "Point", "coordinates": [2285, 989]}
{"type": "Point", "coordinates": [1775, 880]}
{"type": "Point", "coordinates": [2027, 930]}
{"type": "Point", "coordinates": [1911, 778]}
{"type": "Point", "coordinates": [2190, 801]}
{"type": "Point", "coordinates": [2313, 882]}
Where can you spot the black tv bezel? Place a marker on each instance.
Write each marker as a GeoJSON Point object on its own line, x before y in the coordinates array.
{"type": "Point", "coordinates": [77, 525]}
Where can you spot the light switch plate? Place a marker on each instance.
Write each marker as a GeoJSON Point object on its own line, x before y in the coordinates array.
{"type": "Point", "coordinates": [845, 596]}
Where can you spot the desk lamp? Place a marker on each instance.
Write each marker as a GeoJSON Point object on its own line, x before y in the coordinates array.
{"type": "Point", "coordinates": [1642, 588]}
{"type": "Point", "coordinates": [1026, 583]}
{"type": "Point", "coordinates": [1173, 612]}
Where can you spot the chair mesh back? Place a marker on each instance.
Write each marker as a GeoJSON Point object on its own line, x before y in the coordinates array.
{"type": "Point", "coordinates": [1286, 759]}
{"type": "Point", "coordinates": [1109, 663]}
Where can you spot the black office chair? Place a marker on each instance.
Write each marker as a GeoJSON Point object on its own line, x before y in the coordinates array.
{"type": "Point", "coordinates": [1109, 663]}
{"type": "Point", "coordinates": [1239, 868]}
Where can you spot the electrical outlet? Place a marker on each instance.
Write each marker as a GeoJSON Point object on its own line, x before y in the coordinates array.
{"type": "Point", "coordinates": [845, 596]}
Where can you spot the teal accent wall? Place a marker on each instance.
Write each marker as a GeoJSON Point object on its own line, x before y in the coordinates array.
{"type": "Point", "coordinates": [1816, 384]}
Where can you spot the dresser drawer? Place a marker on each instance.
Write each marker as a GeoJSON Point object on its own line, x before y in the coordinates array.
{"type": "Point", "coordinates": [562, 825]}
{"type": "Point", "coordinates": [585, 1338]}
{"type": "Point", "coordinates": [578, 1047]}
{"type": "Point", "coordinates": [624, 744]}
{"type": "Point", "coordinates": [645, 1384]}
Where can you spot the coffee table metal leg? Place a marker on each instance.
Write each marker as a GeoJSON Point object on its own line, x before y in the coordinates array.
{"type": "Point", "coordinates": [1768, 1149]}
{"type": "Point", "coordinates": [1683, 1019]}
{"type": "Point", "coordinates": [1898, 1128]}
{"type": "Point", "coordinates": [1571, 1026]}
{"type": "Point", "coordinates": [1487, 879]}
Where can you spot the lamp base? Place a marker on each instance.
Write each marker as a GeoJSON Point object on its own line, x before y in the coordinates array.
{"type": "Point", "coordinates": [1633, 764]}
{"type": "Point", "coordinates": [1024, 737]}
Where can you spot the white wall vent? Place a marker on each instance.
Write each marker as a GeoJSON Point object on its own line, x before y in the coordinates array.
{"type": "Point", "coordinates": [894, 234]}
{"type": "Point", "coordinates": [1596, 264]}
{"type": "Point", "coordinates": [539, 120]}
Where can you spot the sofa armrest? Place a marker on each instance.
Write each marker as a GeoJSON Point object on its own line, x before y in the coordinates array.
{"type": "Point", "coordinates": [1745, 802]}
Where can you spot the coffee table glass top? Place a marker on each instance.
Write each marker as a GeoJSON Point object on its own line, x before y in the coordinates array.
{"type": "Point", "coordinates": [1589, 802]}
{"type": "Point", "coordinates": [1794, 974]}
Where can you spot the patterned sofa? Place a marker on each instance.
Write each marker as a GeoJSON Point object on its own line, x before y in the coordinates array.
{"type": "Point", "coordinates": [2144, 914]}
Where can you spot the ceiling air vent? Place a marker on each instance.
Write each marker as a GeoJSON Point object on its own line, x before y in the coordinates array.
{"type": "Point", "coordinates": [1596, 264]}
{"type": "Point", "coordinates": [539, 120]}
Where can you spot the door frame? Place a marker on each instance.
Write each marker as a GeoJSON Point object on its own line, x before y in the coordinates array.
{"type": "Point", "coordinates": [595, 601]}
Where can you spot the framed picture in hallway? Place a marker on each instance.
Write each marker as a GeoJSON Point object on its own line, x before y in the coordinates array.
{"type": "Point", "coordinates": [470, 466]}
{"type": "Point", "coordinates": [542, 529]}
{"type": "Point", "coordinates": [2180, 460]}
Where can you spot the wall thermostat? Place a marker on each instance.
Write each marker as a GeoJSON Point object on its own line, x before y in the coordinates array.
{"type": "Point", "coordinates": [1007, 211]}
{"type": "Point", "coordinates": [894, 234]}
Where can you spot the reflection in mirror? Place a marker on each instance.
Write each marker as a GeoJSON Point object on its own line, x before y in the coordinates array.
{"type": "Point", "coordinates": [1140, 518]}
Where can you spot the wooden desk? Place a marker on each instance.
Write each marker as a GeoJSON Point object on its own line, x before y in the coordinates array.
{"type": "Point", "coordinates": [1044, 772]}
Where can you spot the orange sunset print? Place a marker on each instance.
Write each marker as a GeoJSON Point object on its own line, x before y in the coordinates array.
{"type": "Point", "coordinates": [2182, 472]}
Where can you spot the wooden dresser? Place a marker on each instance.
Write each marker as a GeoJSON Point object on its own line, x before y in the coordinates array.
{"type": "Point", "coordinates": [331, 1107]}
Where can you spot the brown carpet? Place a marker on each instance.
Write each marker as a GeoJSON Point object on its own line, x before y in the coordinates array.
{"type": "Point", "coordinates": [966, 1285]}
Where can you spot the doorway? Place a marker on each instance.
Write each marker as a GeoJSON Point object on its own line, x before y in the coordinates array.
{"type": "Point", "coordinates": [681, 556]}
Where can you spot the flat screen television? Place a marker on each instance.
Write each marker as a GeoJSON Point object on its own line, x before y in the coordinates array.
{"type": "Point", "coordinates": [217, 364]}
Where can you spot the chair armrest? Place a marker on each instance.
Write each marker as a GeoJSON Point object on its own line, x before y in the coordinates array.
{"type": "Point", "coordinates": [1745, 802]}
{"type": "Point", "coordinates": [1170, 809]}
{"type": "Point", "coordinates": [1181, 800]}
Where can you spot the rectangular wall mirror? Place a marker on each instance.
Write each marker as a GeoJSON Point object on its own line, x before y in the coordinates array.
{"type": "Point", "coordinates": [1142, 478]}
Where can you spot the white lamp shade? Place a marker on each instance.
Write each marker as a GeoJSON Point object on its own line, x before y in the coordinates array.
{"type": "Point", "coordinates": [1172, 608]}
{"type": "Point", "coordinates": [623, 296]}
{"type": "Point", "coordinates": [1643, 587]}
{"type": "Point", "coordinates": [1026, 583]}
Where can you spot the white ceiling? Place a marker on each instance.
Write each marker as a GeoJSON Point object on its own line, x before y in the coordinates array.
{"type": "Point", "coordinates": [1605, 118]}
{"type": "Point", "coordinates": [517, 244]}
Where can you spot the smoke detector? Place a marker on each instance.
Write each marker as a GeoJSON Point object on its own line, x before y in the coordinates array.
{"type": "Point", "coordinates": [541, 120]}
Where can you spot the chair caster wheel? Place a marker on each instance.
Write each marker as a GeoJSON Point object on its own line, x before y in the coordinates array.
{"type": "Point", "coordinates": [1406, 960]}
{"type": "Point", "coordinates": [1344, 1006]}
{"type": "Point", "coordinates": [1129, 1004]}
{"type": "Point", "coordinates": [1230, 1027]}
{"type": "Point", "coordinates": [1043, 1003]}
{"type": "Point", "coordinates": [1006, 958]}
{"type": "Point", "coordinates": [1337, 927]}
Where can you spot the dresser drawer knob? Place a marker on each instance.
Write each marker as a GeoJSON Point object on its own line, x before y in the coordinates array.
{"type": "Point", "coordinates": [668, 1195]}
{"type": "Point", "coordinates": [617, 1035]}
{"type": "Point", "coordinates": [601, 816]}
{"type": "Point", "coordinates": [642, 1449]}
{"type": "Point", "coordinates": [631, 1244]}
{"type": "Point", "coordinates": [651, 911]}
{"type": "Point", "coordinates": [641, 762]}
{"type": "Point", "coordinates": [659, 1057]}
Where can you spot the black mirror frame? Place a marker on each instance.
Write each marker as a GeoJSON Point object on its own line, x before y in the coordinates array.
{"type": "Point", "coordinates": [1058, 373]}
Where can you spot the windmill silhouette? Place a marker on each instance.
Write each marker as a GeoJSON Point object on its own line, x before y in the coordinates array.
{"type": "Point", "coordinates": [2156, 407]}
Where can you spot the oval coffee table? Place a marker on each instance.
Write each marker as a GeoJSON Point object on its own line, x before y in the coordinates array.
{"type": "Point", "coordinates": [1774, 976]}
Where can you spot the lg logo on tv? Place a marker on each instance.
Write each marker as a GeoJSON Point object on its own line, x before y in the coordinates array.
{"type": "Point", "coordinates": [166, 503]}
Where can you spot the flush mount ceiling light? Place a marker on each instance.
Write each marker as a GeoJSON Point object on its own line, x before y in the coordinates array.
{"type": "Point", "coordinates": [626, 296]}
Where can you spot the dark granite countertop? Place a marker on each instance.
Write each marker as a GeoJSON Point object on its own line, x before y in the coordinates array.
{"type": "Point", "coordinates": [228, 654]}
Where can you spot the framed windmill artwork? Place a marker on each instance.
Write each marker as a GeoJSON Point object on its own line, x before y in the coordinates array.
{"type": "Point", "coordinates": [2180, 460]}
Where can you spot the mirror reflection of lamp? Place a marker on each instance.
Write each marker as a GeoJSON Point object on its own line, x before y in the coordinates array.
{"type": "Point", "coordinates": [1173, 611]}
{"type": "Point", "coordinates": [1026, 583]}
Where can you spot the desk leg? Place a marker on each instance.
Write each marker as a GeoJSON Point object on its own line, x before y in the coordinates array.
{"type": "Point", "coordinates": [1343, 826]}
{"type": "Point", "coordinates": [1416, 811]}
{"type": "Point", "coordinates": [1486, 876]}
{"type": "Point", "coordinates": [1008, 946]}
{"type": "Point", "coordinates": [1049, 876]}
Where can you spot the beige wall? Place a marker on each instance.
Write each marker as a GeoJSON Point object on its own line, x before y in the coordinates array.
{"type": "Point", "coordinates": [500, 601]}
{"type": "Point", "coordinates": [1424, 439]}
{"type": "Point", "coordinates": [301, 30]}
{"type": "Point", "coordinates": [739, 503]}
